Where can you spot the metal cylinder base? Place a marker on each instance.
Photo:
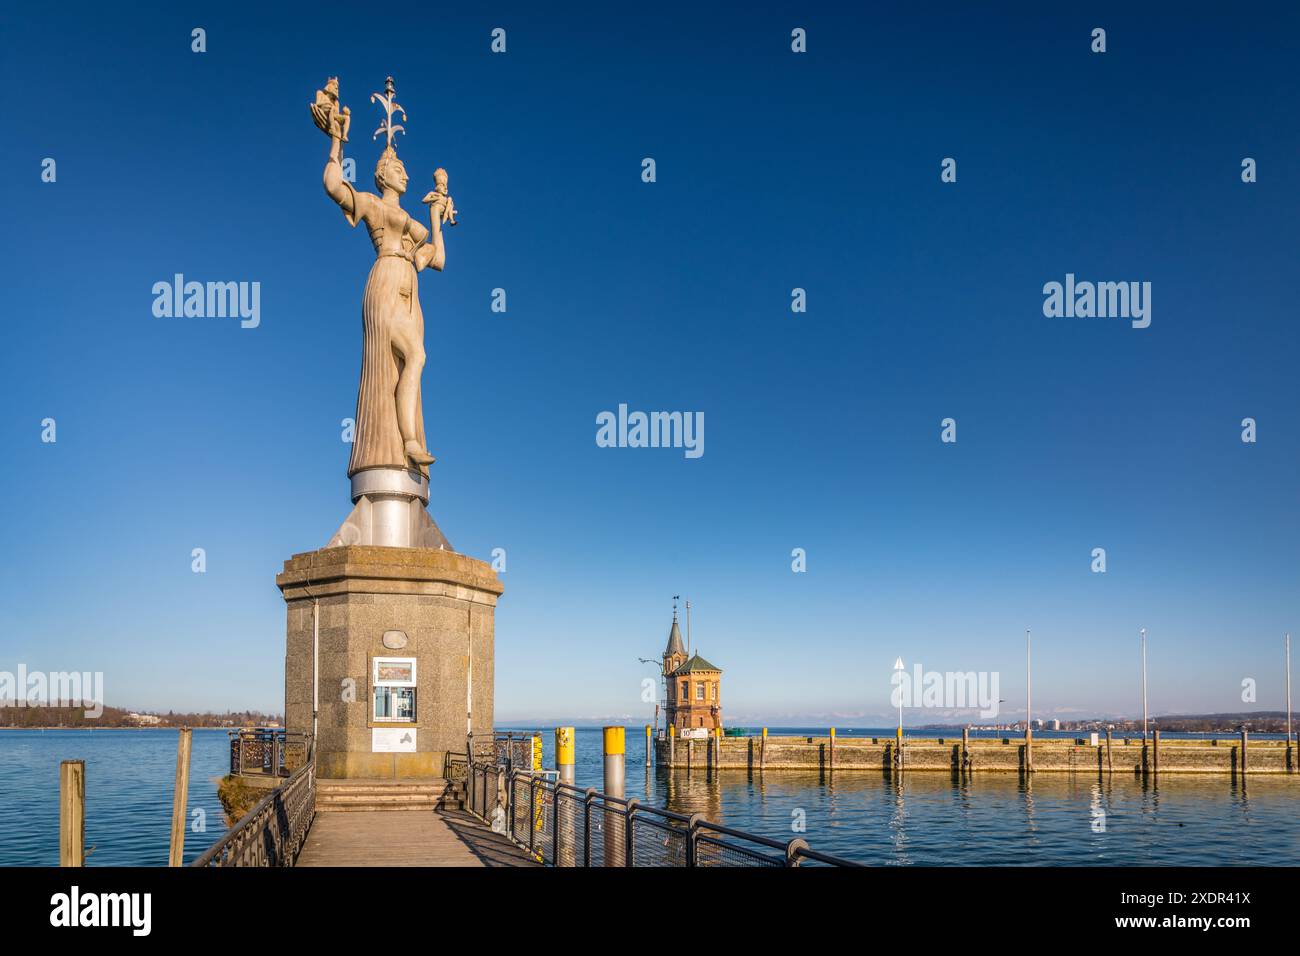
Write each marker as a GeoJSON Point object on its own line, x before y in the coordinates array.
{"type": "Point", "coordinates": [389, 511]}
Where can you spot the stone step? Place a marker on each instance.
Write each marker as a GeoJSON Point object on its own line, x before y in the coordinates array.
{"type": "Point", "coordinates": [325, 805]}
{"type": "Point", "coordinates": [389, 808]}
{"type": "Point", "coordinates": [380, 796]}
{"type": "Point", "coordinates": [381, 790]}
{"type": "Point", "coordinates": [342, 795]}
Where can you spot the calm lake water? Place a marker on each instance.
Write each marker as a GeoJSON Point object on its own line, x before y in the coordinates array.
{"type": "Point", "coordinates": [129, 778]}
{"type": "Point", "coordinates": [989, 820]}
{"type": "Point", "coordinates": [927, 819]}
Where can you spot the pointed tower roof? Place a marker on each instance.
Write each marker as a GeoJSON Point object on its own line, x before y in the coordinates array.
{"type": "Point", "coordinates": [675, 645]}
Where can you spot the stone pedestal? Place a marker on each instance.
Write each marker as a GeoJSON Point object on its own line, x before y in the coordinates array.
{"type": "Point", "coordinates": [432, 606]}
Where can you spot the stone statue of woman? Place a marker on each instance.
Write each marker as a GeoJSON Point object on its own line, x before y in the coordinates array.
{"type": "Point", "coordinates": [389, 421]}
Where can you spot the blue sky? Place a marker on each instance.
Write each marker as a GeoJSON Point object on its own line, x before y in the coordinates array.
{"type": "Point", "coordinates": [774, 171]}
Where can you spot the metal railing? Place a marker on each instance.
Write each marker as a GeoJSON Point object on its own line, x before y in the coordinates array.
{"type": "Point", "coordinates": [272, 833]}
{"type": "Point", "coordinates": [563, 825]}
{"type": "Point", "coordinates": [268, 751]}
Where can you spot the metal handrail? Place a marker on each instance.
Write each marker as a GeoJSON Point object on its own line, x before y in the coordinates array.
{"type": "Point", "coordinates": [616, 823]}
{"type": "Point", "coordinates": [264, 750]}
{"type": "Point", "coordinates": [272, 833]}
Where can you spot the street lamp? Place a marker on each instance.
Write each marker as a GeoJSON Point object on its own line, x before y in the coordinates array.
{"type": "Point", "coordinates": [662, 684]}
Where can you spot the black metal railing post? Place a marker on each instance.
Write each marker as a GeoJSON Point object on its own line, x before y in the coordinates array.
{"type": "Point", "coordinates": [692, 835]}
{"type": "Point", "coordinates": [555, 827]}
{"type": "Point", "coordinates": [532, 810]}
{"type": "Point", "coordinates": [510, 803]}
{"type": "Point", "coordinates": [627, 832]}
{"type": "Point", "coordinates": [588, 799]}
{"type": "Point", "coordinates": [792, 851]}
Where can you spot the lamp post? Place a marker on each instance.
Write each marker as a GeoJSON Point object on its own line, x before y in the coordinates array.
{"type": "Point", "coordinates": [663, 685]}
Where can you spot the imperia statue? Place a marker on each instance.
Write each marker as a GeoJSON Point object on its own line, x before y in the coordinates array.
{"type": "Point", "coordinates": [389, 420]}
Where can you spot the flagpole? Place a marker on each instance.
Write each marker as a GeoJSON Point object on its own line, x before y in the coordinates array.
{"type": "Point", "coordinates": [1144, 685]}
{"type": "Point", "coordinates": [1288, 692]}
{"type": "Point", "coordinates": [1029, 674]}
{"type": "Point", "coordinates": [898, 668]}
{"type": "Point", "coordinates": [689, 648]}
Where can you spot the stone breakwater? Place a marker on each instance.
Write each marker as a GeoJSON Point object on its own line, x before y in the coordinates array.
{"type": "Point", "coordinates": [1012, 754]}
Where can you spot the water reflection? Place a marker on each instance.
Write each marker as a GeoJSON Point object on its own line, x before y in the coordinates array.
{"type": "Point", "coordinates": [1000, 818]}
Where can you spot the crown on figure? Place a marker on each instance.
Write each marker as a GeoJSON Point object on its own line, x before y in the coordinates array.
{"type": "Point", "coordinates": [390, 106]}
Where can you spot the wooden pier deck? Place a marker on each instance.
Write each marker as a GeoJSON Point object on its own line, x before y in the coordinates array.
{"type": "Point", "coordinates": [407, 838]}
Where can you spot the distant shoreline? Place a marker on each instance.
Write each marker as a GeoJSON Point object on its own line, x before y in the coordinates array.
{"type": "Point", "coordinates": [115, 727]}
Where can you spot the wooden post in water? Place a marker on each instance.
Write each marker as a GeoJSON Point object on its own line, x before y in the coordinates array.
{"type": "Point", "coordinates": [181, 795]}
{"type": "Point", "coordinates": [672, 746]}
{"type": "Point", "coordinates": [1029, 749]}
{"type": "Point", "coordinates": [1243, 751]}
{"type": "Point", "coordinates": [648, 745]}
{"type": "Point", "coordinates": [1110, 766]}
{"type": "Point", "coordinates": [832, 751]}
{"type": "Point", "coordinates": [762, 751]}
{"type": "Point", "coordinates": [965, 749]}
{"type": "Point", "coordinates": [72, 813]}
{"type": "Point", "coordinates": [1155, 751]}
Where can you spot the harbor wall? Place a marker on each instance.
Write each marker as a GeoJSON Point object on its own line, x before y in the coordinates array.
{"type": "Point", "coordinates": [1003, 755]}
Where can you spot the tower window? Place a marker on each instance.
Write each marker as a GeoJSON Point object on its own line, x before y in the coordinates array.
{"type": "Point", "coordinates": [699, 690]}
{"type": "Point", "coordinates": [394, 683]}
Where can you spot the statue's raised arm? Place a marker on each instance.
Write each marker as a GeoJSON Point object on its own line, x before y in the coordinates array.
{"type": "Point", "coordinates": [334, 121]}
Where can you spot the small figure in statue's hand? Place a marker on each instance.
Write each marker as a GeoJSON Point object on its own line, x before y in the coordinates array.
{"type": "Point", "coordinates": [326, 113]}
{"type": "Point", "coordinates": [439, 200]}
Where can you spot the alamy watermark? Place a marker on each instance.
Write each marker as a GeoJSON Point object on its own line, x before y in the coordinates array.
{"type": "Point", "coordinates": [25, 688]}
{"type": "Point", "coordinates": [74, 908]}
{"type": "Point", "coordinates": [651, 430]}
{"type": "Point", "coordinates": [952, 690]}
{"type": "Point", "coordinates": [1102, 300]}
{"type": "Point", "coordinates": [211, 300]}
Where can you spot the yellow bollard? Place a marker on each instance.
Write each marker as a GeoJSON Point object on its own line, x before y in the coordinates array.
{"type": "Point", "coordinates": [565, 838]}
{"type": "Point", "coordinates": [615, 767]}
{"type": "Point", "coordinates": [564, 754]}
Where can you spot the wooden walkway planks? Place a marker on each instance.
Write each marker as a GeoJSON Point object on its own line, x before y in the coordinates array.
{"type": "Point", "coordinates": [407, 838]}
